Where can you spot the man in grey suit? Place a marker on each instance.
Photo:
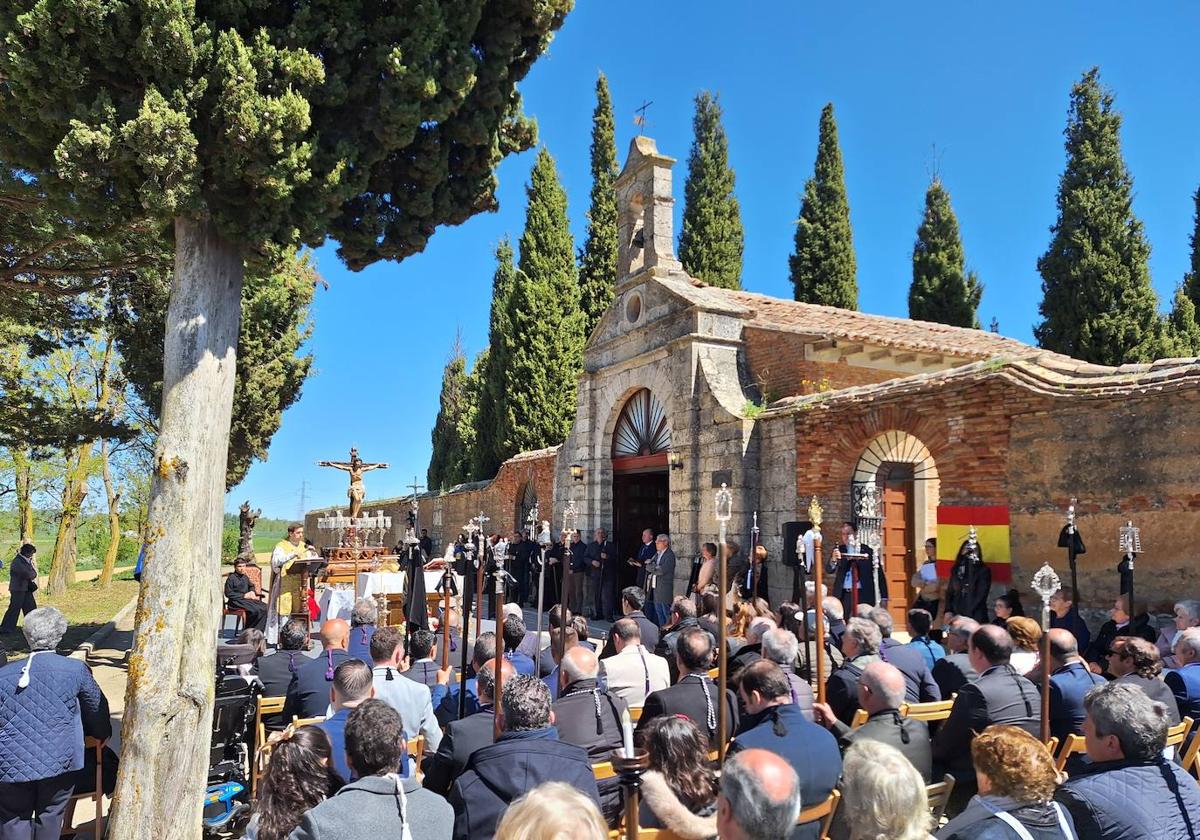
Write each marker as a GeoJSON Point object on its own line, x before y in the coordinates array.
{"type": "Point", "coordinates": [660, 580]}
{"type": "Point", "coordinates": [378, 803]}
{"type": "Point", "coordinates": [409, 698]}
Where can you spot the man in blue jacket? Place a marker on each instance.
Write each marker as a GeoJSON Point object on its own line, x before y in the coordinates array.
{"type": "Point", "coordinates": [773, 722]}
{"type": "Point", "coordinates": [527, 754]}
{"type": "Point", "coordinates": [352, 685]}
{"type": "Point", "coordinates": [1184, 681]}
{"type": "Point", "coordinates": [47, 704]}
{"type": "Point", "coordinates": [1070, 681]}
{"type": "Point", "coordinates": [1129, 791]}
{"type": "Point", "coordinates": [22, 582]}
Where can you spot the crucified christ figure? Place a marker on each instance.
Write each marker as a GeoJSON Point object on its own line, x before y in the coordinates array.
{"type": "Point", "coordinates": [356, 467]}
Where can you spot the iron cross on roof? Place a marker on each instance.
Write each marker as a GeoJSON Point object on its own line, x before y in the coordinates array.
{"type": "Point", "coordinates": [640, 119]}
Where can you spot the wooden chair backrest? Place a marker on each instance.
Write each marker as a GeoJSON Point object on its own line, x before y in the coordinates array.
{"type": "Point", "coordinates": [937, 710]}
{"type": "Point", "coordinates": [416, 746]}
{"type": "Point", "coordinates": [823, 811]}
{"type": "Point", "coordinates": [95, 744]}
{"type": "Point", "coordinates": [299, 721]}
{"type": "Point", "coordinates": [262, 706]}
{"type": "Point", "coordinates": [1074, 745]}
{"type": "Point", "coordinates": [1190, 760]}
{"type": "Point", "coordinates": [635, 714]}
{"type": "Point", "coordinates": [645, 834]}
{"type": "Point", "coordinates": [860, 717]}
{"type": "Point", "coordinates": [1178, 733]}
{"type": "Point", "coordinates": [714, 673]}
{"type": "Point", "coordinates": [939, 797]}
{"type": "Point", "coordinates": [604, 770]}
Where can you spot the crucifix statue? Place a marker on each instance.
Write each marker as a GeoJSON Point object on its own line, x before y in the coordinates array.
{"type": "Point", "coordinates": [356, 467]}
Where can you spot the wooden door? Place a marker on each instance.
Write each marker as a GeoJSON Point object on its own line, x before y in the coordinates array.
{"type": "Point", "coordinates": [640, 501]}
{"type": "Point", "coordinates": [898, 548]}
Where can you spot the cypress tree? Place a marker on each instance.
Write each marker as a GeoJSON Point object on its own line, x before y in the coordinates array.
{"type": "Point", "coordinates": [490, 371]}
{"type": "Point", "coordinates": [1191, 280]}
{"type": "Point", "coordinates": [941, 289]}
{"type": "Point", "coordinates": [823, 268]}
{"type": "Point", "coordinates": [454, 429]}
{"type": "Point", "coordinates": [1180, 332]}
{"type": "Point", "coordinates": [711, 242]}
{"type": "Point", "coordinates": [598, 259]}
{"type": "Point", "coordinates": [1098, 304]}
{"type": "Point", "coordinates": [543, 349]}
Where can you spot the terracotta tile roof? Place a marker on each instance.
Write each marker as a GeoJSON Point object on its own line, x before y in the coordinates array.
{"type": "Point", "coordinates": [831, 322]}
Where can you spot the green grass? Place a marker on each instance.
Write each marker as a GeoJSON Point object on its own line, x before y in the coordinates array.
{"type": "Point", "coordinates": [87, 607]}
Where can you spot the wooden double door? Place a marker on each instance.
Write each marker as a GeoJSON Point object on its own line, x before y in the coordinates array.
{"type": "Point", "coordinates": [640, 501]}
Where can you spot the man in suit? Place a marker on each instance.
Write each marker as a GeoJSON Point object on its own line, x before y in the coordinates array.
{"type": "Point", "coordinates": [1184, 681]}
{"type": "Point", "coordinates": [422, 653]}
{"type": "Point", "coordinates": [633, 672]}
{"type": "Point", "coordinates": [855, 579]}
{"type": "Point", "coordinates": [589, 716]}
{"type": "Point", "coordinates": [783, 648]}
{"type": "Point", "coordinates": [444, 695]}
{"type": "Point", "coordinates": [861, 646]}
{"type": "Point", "coordinates": [633, 600]}
{"type": "Point", "coordinates": [835, 619]}
{"type": "Point", "coordinates": [308, 692]}
{"type": "Point", "coordinates": [660, 580]}
{"type": "Point", "coordinates": [1136, 661]}
{"type": "Point", "coordinates": [513, 631]}
{"type": "Point", "coordinates": [370, 806]}
{"type": "Point", "coordinates": [363, 617]}
{"type": "Point", "coordinates": [350, 687]}
{"type": "Point", "coordinates": [920, 686]}
{"type": "Point", "coordinates": [773, 722]}
{"type": "Point", "coordinates": [644, 553]}
{"type": "Point", "coordinates": [528, 753]}
{"type": "Point", "coordinates": [683, 616]}
{"type": "Point", "coordinates": [22, 582]}
{"type": "Point", "coordinates": [881, 692]}
{"type": "Point", "coordinates": [522, 549]}
{"type": "Point", "coordinates": [695, 696]}
{"type": "Point", "coordinates": [409, 698]}
{"type": "Point", "coordinates": [464, 737]}
{"type": "Point", "coordinates": [604, 563]}
{"type": "Point", "coordinates": [275, 670]}
{"type": "Point", "coordinates": [1070, 681]}
{"type": "Point", "coordinates": [1000, 695]}
{"type": "Point", "coordinates": [954, 670]}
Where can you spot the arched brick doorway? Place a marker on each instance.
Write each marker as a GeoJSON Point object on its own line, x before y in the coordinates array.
{"type": "Point", "coordinates": [640, 443]}
{"type": "Point", "coordinates": [903, 471]}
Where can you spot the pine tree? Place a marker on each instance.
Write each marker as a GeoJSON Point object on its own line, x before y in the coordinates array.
{"type": "Point", "coordinates": [543, 349]}
{"type": "Point", "coordinates": [1098, 304]}
{"type": "Point", "coordinates": [711, 242]}
{"type": "Point", "coordinates": [1191, 280]}
{"type": "Point", "coordinates": [491, 370]}
{"type": "Point", "coordinates": [941, 289]}
{"type": "Point", "coordinates": [823, 267]}
{"type": "Point", "coordinates": [1180, 331]}
{"type": "Point", "coordinates": [454, 429]}
{"type": "Point", "coordinates": [598, 259]}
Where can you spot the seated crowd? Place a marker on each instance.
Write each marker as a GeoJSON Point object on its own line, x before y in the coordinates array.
{"type": "Point", "coordinates": [525, 764]}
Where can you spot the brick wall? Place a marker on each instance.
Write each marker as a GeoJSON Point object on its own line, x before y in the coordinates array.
{"type": "Point", "coordinates": [778, 366]}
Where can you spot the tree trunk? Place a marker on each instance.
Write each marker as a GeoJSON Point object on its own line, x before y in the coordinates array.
{"type": "Point", "coordinates": [62, 563]}
{"type": "Point", "coordinates": [114, 519]}
{"type": "Point", "coordinates": [24, 482]}
{"type": "Point", "coordinates": [169, 697]}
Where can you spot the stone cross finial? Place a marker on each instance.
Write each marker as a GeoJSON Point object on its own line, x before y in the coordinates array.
{"type": "Point", "coordinates": [645, 228]}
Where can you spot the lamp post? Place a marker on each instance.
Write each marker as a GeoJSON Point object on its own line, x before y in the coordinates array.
{"type": "Point", "coordinates": [1045, 584]}
{"type": "Point", "coordinates": [724, 511]}
{"type": "Point", "coordinates": [814, 514]}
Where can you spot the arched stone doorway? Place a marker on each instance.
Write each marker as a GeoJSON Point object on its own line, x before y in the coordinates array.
{"type": "Point", "coordinates": [641, 440]}
{"type": "Point", "coordinates": [904, 473]}
{"type": "Point", "coordinates": [527, 500]}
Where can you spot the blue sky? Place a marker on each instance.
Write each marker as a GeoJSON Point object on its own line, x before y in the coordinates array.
{"type": "Point", "coordinates": [977, 90]}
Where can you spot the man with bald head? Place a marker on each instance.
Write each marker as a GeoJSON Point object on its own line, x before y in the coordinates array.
{"type": "Point", "coordinates": [1070, 681]}
{"type": "Point", "coordinates": [589, 716]}
{"type": "Point", "coordinates": [308, 693]}
{"type": "Point", "coordinates": [759, 797]}
{"type": "Point", "coordinates": [463, 737]}
{"type": "Point", "coordinates": [881, 693]}
{"type": "Point", "coordinates": [1000, 695]}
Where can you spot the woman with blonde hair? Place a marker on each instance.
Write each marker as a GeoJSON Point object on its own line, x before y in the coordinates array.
{"type": "Point", "coordinates": [883, 794]}
{"type": "Point", "coordinates": [1017, 780]}
{"type": "Point", "coordinates": [1026, 634]}
{"type": "Point", "coordinates": [552, 811]}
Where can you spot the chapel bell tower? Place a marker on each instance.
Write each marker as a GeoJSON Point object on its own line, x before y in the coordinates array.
{"type": "Point", "coordinates": [644, 206]}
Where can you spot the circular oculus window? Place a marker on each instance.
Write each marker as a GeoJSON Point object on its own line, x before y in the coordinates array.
{"type": "Point", "coordinates": [633, 308]}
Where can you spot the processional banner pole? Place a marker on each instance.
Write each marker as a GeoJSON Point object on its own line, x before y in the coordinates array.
{"type": "Point", "coordinates": [1130, 538]}
{"type": "Point", "coordinates": [724, 511]}
{"type": "Point", "coordinates": [1045, 584]}
{"type": "Point", "coordinates": [815, 514]}
{"type": "Point", "coordinates": [570, 518]}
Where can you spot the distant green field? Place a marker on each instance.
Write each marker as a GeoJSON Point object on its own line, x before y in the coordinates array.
{"type": "Point", "coordinates": [91, 539]}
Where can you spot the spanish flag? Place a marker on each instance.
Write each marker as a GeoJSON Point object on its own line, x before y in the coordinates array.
{"type": "Point", "coordinates": [991, 530]}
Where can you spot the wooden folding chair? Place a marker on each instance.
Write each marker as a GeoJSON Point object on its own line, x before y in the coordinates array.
{"type": "Point", "coordinates": [1074, 745]}
{"type": "Point", "coordinates": [645, 834]}
{"type": "Point", "coordinates": [416, 751]}
{"type": "Point", "coordinates": [262, 706]}
{"type": "Point", "coordinates": [824, 812]}
{"type": "Point", "coordinates": [1177, 734]}
{"type": "Point", "coordinates": [1190, 760]}
{"type": "Point", "coordinates": [95, 744]}
{"type": "Point", "coordinates": [299, 721]}
{"type": "Point", "coordinates": [604, 770]}
{"type": "Point", "coordinates": [860, 717]}
{"type": "Point", "coordinates": [714, 673]}
{"type": "Point", "coordinates": [635, 713]}
{"type": "Point", "coordinates": [937, 710]}
{"type": "Point", "coordinates": [939, 797]}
